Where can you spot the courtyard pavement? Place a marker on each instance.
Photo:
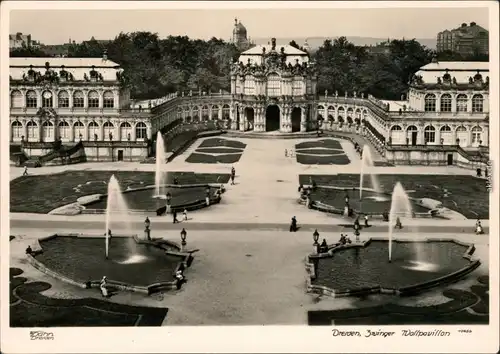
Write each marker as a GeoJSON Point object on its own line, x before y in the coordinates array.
{"type": "Point", "coordinates": [252, 273]}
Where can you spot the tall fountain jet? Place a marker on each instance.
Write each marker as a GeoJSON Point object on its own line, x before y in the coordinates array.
{"type": "Point", "coordinates": [400, 206]}
{"type": "Point", "coordinates": [116, 204]}
{"type": "Point", "coordinates": [160, 161]}
{"type": "Point", "coordinates": [366, 169]}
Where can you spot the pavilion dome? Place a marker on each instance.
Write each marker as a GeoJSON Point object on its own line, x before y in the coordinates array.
{"type": "Point", "coordinates": [239, 29]}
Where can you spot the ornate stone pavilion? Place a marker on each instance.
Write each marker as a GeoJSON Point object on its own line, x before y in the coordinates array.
{"type": "Point", "coordinates": [273, 89]}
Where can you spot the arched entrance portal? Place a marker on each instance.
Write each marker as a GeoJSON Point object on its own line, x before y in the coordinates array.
{"type": "Point", "coordinates": [272, 118]}
{"type": "Point", "coordinates": [250, 116]}
{"type": "Point", "coordinates": [296, 115]}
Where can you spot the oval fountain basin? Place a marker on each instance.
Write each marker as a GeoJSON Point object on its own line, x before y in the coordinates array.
{"type": "Point", "coordinates": [373, 203]}
{"type": "Point", "coordinates": [146, 200]}
{"type": "Point", "coordinates": [82, 259]}
{"type": "Point", "coordinates": [413, 263]}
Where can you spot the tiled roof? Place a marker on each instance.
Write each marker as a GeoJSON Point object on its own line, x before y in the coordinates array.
{"type": "Point", "coordinates": [76, 66]}
{"type": "Point", "coordinates": [289, 50]}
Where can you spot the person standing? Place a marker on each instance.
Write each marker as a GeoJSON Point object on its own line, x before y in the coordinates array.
{"type": "Point", "coordinates": [174, 214]}
{"type": "Point", "coordinates": [232, 180]}
{"type": "Point", "coordinates": [185, 214]}
{"type": "Point", "coordinates": [25, 173]}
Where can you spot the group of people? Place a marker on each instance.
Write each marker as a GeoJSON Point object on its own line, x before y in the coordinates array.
{"type": "Point", "coordinates": [174, 216]}
{"type": "Point", "coordinates": [289, 153]}
{"type": "Point", "coordinates": [344, 240]}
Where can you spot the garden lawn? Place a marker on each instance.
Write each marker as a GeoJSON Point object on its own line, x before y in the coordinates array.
{"type": "Point", "coordinates": [219, 142]}
{"type": "Point", "coordinates": [323, 143]}
{"type": "Point", "coordinates": [212, 159]}
{"type": "Point", "coordinates": [219, 151]}
{"type": "Point", "coordinates": [43, 193]}
{"type": "Point", "coordinates": [31, 309]}
{"type": "Point", "coordinates": [340, 159]}
{"type": "Point", "coordinates": [319, 151]}
{"type": "Point", "coordinates": [465, 194]}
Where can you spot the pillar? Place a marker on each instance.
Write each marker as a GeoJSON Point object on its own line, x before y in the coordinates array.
{"type": "Point", "coordinates": [101, 99]}
{"type": "Point", "coordinates": [232, 117]}
{"type": "Point", "coordinates": [243, 119]}
{"type": "Point", "coordinates": [303, 119]}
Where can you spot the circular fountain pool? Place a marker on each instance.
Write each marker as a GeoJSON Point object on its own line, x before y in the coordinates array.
{"type": "Point", "coordinates": [419, 264]}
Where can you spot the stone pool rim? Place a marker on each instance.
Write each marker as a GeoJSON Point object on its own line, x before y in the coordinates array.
{"type": "Point", "coordinates": [327, 208]}
{"type": "Point", "coordinates": [194, 205]}
{"type": "Point", "coordinates": [402, 291]}
{"type": "Point", "coordinates": [186, 258]}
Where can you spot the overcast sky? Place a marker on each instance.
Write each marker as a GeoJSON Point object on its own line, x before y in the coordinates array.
{"type": "Point", "coordinates": [57, 26]}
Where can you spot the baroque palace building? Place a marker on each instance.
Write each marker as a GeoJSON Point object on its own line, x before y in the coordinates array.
{"type": "Point", "coordinates": [443, 120]}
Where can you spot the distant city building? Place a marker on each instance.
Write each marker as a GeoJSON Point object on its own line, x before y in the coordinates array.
{"type": "Point", "coordinates": [58, 50]}
{"type": "Point", "coordinates": [382, 48]}
{"type": "Point", "coordinates": [240, 38]}
{"type": "Point", "coordinates": [20, 40]}
{"type": "Point", "coordinates": [465, 40]}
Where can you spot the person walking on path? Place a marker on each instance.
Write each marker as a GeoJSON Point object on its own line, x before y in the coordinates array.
{"type": "Point", "coordinates": [174, 214]}
{"type": "Point", "coordinates": [25, 173]}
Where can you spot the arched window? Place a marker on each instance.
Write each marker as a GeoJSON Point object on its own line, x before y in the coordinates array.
{"type": "Point", "coordinates": [463, 136]}
{"type": "Point", "coordinates": [16, 99]}
{"type": "Point", "coordinates": [273, 85]}
{"type": "Point", "coordinates": [462, 103]}
{"type": "Point", "coordinates": [357, 114]}
{"type": "Point", "coordinates": [31, 99]}
{"type": "Point", "coordinates": [331, 112]}
{"type": "Point", "coordinates": [477, 103]}
{"type": "Point", "coordinates": [430, 134]}
{"type": "Point", "coordinates": [204, 113]}
{"type": "Point", "coordinates": [412, 135]}
{"type": "Point", "coordinates": [108, 99]}
{"type": "Point", "coordinates": [226, 112]}
{"type": "Point", "coordinates": [78, 99]}
{"type": "Point", "coordinates": [446, 136]}
{"type": "Point", "coordinates": [430, 102]}
{"type": "Point", "coordinates": [141, 131]}
{"type": "Point", "coordinates": [397, 135]}
{"type": "Point", "coordinates": [215, 112]}
{"type": "Point", "coordinates": [64, 130]}
{"type": "Point", "coordinates": [341, 112]}
{"type": "Point", "coordinates": [196, 114]}
{"type": "Point", "coordinates": [125, 131]}
{"type": "Point", "coordinates": [350, 112]}
{"type": "Point", "coordinates": [365, 114]}
{"type": "Point", "coordinates": [94, 133]}
{"type": "Point", "coordinates": [17, 130]}
{"type": "Point", "coordinates": [32, 130]}
{"type": "Point", "coordinates": [48, 131]}
{"type": "Point", "coordinates": [249, 86]}
{"type": "Point", "coordinates": [108, 128]}
{"type": "Point", "coordinates": [63, 99]}
{"type": "Point", "coordinates": [477, 136]}
{"type": "Point", "coordinates": [78, 130]}
{"type": "Point", "coordinates": [47, 100]}
{"type": "Point", "coordinates": [93, 99]}
{"type": "Point", "coordinates": [445, 105]}
{"type": "Point", "coordinates": [320, 108]}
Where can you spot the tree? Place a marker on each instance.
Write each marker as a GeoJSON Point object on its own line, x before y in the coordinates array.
{"type": "Point", "coordinates": [27, 52]}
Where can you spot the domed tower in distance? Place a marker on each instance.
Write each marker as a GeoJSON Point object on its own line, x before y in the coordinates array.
{"type": "Point", "coordinates": [240, 35]}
